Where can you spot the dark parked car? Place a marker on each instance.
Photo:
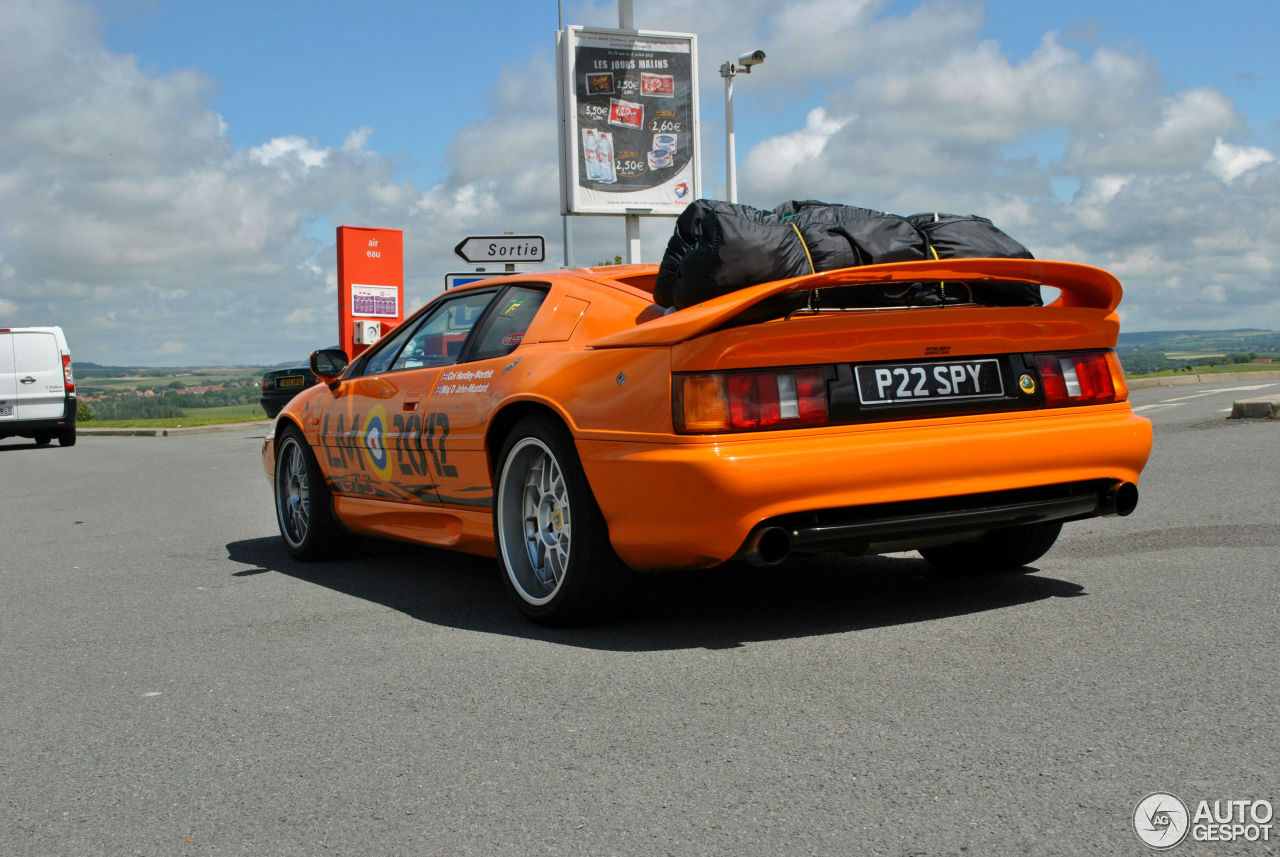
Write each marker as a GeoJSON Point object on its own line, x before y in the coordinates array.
{"type": "Point", "coordinates": [281, 385]}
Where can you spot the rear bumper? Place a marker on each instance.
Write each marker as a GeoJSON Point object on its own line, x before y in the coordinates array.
{"type": "Point", "coordinates": [695, 503]}
{"type": "Point", "coordinates": [31, 428]}
{"type": "Point", "coordinates": [890, 527]}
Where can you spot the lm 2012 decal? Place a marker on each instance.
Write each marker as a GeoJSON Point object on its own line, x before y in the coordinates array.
{"type": "Point", "coordinates": [417, 445]}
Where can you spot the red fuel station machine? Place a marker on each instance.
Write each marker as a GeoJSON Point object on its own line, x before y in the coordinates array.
{"type": "Point", "coordinates": [370, 285]}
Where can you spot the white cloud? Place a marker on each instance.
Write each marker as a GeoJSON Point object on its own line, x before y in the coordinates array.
{"type": "Point", "coordinates": [291, 146]}
{"type": "Point", "coordinates": [127, 215]}
{"type": "Point", "coordinates": [1180, 136]}
{"type": "Point", "coordinates": [1229, 162]}
{"type": "Point", "coordinates": [775, 161]}
{"type": "Point", "coordinates": [1185, 219]}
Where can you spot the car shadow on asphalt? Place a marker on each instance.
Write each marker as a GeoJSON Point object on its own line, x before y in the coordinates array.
{"type": "Point", "coordinates": [21, 443]}
{"type": "Point", "coordinates": [719, 608]}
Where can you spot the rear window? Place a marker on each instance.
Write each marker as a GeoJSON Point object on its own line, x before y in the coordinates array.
{"type": "Point", "coordinates": [504, 327]}
{"type": "Point", "coordinates": [36, 352]}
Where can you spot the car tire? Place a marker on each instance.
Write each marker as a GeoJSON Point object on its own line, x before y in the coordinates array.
{"type": "Point", "coordinates": [551, 538]}
{"type": "Point", "coordinates": [1001, 551]}
{"type": "Point", "coordinates": [42, 439]}
{"type": "Point", "coordinates": [304, 504]}
{"type": "Point", "coordinates": [67, 436]}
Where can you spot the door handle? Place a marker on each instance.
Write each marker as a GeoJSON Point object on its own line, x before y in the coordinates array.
{"type": "Point", "coordinates": [27, 380]}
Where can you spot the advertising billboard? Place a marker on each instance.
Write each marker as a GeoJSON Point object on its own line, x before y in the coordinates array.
{"type": "Point", "coordinates": [629, 121]}
{"type": "Point", "coordinates": [370, 282]}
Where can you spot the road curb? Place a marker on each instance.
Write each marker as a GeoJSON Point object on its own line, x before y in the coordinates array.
{"type": "Point", "coordinates": [83, 431]}
{"type": "Point", "coordinates": [1208, 378]}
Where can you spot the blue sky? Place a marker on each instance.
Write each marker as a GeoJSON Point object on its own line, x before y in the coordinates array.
{"type": "Point", "coordinates": [171, 173]}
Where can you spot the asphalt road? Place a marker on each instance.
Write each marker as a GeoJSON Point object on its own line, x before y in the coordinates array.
{"type": "Point", "coordinates": [171, 683]}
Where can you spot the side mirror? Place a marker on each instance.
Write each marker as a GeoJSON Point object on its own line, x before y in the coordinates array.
{"type": "Point", "coordinates": [328, 364]}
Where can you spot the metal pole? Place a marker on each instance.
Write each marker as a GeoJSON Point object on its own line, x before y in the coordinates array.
{"type": "Point", "coordinates": [633, 239]}
{"type": "Point", "coordinates": [730, 167]}
{"type": "Point", "coordinates": [626, 21]}
{"type": "Point", "coordinates": [568, 241]}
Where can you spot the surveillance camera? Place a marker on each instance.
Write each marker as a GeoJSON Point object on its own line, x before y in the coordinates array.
{"type": "Point", "coordinates": [751, 58]}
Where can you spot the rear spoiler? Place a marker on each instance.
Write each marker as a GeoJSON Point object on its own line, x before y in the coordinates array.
{"type": "Point", "coordinates": [1081, 286]}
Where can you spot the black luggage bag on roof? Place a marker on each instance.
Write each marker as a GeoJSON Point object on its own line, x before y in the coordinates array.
{"type": "Point", "coordinates": [957, 236]}
{"type": "Point", "coordinates": [845, 236]}
{"type": "Point", "coordinates": [842, 236]}
{"type": "Point", "coordinates": [719, 247]}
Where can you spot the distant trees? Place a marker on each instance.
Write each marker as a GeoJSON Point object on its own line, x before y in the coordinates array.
{"type": "Point", "coordinates": [165, 402]}
{"type": "Point", "coordinates": [1141, 361]}
{"type": "Point", "coordinates": [135, 408]}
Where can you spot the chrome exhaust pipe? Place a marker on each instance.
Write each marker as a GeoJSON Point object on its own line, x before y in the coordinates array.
{"type": "Point", "coordinates": [1121, 499]}
{"type": "Point", "coordinates": [767, 546]}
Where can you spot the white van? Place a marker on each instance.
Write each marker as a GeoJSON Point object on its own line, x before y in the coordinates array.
{"type": "Point", "coordinates": [37, 388]}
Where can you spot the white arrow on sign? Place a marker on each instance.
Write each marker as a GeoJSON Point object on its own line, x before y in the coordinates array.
{"type": "Point", "coordinates": [502, 248]}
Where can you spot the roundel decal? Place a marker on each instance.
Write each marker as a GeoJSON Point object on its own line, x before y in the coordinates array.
{"type": "Point", "coordinates": [375, 442]}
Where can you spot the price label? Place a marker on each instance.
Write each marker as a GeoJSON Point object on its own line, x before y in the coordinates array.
{"type": "Point", "coordinates": [660, 126]}
{"type": "Point", "coordinates": [595, 112]}
{"type": "Point", "coordinates": [629, 168]}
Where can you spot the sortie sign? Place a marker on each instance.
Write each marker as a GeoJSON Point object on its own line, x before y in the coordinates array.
{"type": "Point", "coordinates": [502, 248]}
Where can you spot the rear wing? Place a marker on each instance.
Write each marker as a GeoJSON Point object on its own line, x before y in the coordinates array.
{"type": "Point", "coordinates": [1080, 286]}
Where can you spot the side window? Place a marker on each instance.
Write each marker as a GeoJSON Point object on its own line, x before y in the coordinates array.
{"type": "Point", "coordinates": [503, 328]}
{"type": "Point", "coordinates": [386, 350]}
{"type": "Point", "coordinates": [439, 339]}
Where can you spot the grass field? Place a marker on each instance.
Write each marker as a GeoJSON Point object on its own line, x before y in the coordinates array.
{"type": "Point", "coordinates": [173, 422]}
{"type": "Point", "coordinates": [242, 412]}
{"type": "Point", "coordinates": [190, 417]}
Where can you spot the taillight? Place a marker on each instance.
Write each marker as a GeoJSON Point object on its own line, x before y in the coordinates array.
{"type": "Point", "coordinates": [1081, 378]}
{"type": "Point", "coordinates": [266, 388]}
{"type": "Point", "coordinates": [68, 377]}
{"type": "Point", "coordinates": [749, 401]}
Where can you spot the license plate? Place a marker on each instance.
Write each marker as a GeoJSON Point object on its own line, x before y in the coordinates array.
{"type": "Point", "coordinates": [903, 383]}
{"type": "Point", "coordinates": [6, 410]}
{"type": "Point", "coordinates": [291, 382]}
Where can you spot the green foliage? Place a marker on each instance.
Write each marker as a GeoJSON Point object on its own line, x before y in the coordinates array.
{"type": "Point", "coordinates": [1141, 361]}
{"type": "Point", "coordinates": [1207, 342]}
{"type": "Point", "coordinates": [83, 412]}
{"type": "Point", "coordinates": [135, 408]}
{"type": "Point", "coordinates": [244, 412]}
{"type": "Point", "coordinates": [1171, 351]}
{"type": "Point", "coordinates": [172, 422]}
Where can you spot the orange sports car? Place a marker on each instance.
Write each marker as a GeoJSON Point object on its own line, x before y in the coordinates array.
{"type": "Point", "coordinates": [562, 422]}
